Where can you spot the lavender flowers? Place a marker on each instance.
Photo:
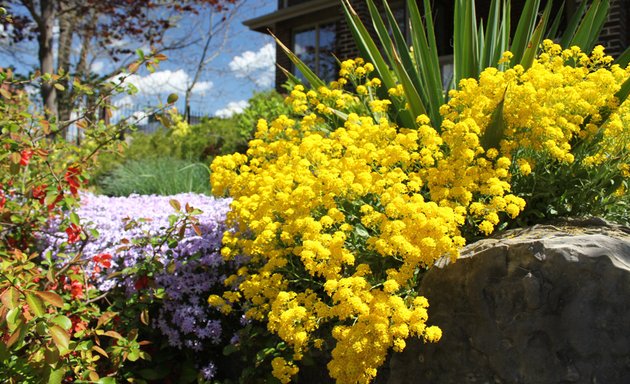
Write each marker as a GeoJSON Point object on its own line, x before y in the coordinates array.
{"type": "Point", "coordinates": [190, 270]}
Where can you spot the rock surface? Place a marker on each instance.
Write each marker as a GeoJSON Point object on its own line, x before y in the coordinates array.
{"type": "Point", "coordinates": [547, 304]}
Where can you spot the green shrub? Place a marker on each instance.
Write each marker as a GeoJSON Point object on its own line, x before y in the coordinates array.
{"type": "Point", "coordinates": [263, 105]}
{"type": "Point", "coordinates": [54, 326]}
{"type": "Point", "coordinates": [160, 176]}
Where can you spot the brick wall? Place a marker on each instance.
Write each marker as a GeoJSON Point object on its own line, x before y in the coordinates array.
{"type": "Point", "coordinates": [615, 36]}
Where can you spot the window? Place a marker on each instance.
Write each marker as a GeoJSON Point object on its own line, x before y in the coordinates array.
{"type": "Point", "coordinates": [315, 47]}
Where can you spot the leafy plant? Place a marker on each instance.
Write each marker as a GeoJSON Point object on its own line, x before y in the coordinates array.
{"type": "Point", "coordinates": [164, 262]}
{"type": "Point", "coordinates": [341, 211]}
{"type": "Point", "coordinates": [193, 146]}
{"type": "Point", "coordinates": [262, 105]}
{"type": "Point", "coordinates": [157, 175]}
{"type": "Point", "coordinates": [51, 328]}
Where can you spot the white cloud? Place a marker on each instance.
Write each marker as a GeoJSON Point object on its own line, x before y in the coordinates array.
{"type": "Point", "coordinates": [258, 66]}
{"type": "Point", "coordinates": [97, 67]}
{"type": "Point", "coordinates": [165, 82]}
{"type": "Point", "coordinates": [5, 33]}
{"type": "Point", "coordinates": [232, 108]}
{"type": "Point", "coordinates": [155, 87]}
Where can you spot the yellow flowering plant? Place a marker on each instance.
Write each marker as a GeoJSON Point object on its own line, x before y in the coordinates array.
{"type": "Point", "coordinates": [477, 44]}
{"type": "Point", "coordinates": [563, 123]}
{"type": "Point", "coordinates": [339, 221]}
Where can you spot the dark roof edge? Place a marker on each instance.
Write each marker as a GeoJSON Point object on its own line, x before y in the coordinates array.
{"type": "Point", "coordinates": [268, 21]}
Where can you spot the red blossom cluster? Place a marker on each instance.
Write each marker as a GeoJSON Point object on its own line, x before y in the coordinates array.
{"type": "Point", "coordinates": [25, 156]}
{"type": "Point", "coordinates": [72, 178]}
{"type": "Point", "coordinates": [74, 233]}
{"type": "Point", "coordinates": [103, 260]}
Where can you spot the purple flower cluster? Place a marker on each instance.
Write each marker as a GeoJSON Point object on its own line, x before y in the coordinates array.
{"type": "Point", "coordinates": [192, 270]}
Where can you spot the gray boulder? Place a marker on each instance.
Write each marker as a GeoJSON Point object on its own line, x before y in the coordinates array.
{"type": "Point", "coordinates": [547, 304]}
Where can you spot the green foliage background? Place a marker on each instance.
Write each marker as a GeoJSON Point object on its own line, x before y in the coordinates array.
{"type": "Point", "coordinates": [165, 162]}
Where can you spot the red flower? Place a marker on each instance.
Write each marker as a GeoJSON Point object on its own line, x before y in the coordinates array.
{"type": "Point", "coordinates": [3, 200]}
{"type": "Point", "coordinates": [76, 289]}
{"type": "Point", "coordinates": [103, 259]}
{"type": "Point", "coordinates": [25, 157]}
{"type": "Point", "coordinates": [142, 282]}
{"type": "Point", "coordinates": [72, 178]}
{"type": "Point", "coordinates": [78, 325]}
{"type": "Point", "coordinates": [74, 233]}
{"type": "Point", "coordinates": [39, 193]}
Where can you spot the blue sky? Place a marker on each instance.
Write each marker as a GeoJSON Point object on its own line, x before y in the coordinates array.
{"type": "Point", "coordinates": [242, 63]}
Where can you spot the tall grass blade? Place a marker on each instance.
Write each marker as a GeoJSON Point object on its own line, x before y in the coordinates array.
{"type": "Point", "coordinates": [623, 93]}
{"type": "Point", "coordinates": [572, 25]}
{"type": "Point", "coordinates": [427, 60]}
{"type": "Point", "coordinates": [494, 132]}
{"type": "Point", "coordinates": [489, 52]}
{"type": "Point", "coordinates": [552, 32]}
{"type": "Point", "coordinates": [370, 52]}
{"type": "Point", "coordinates": [415, 78]}
{"type": "Point", "coordinates": [623, 59]}
{"type": "Point", "coordinates": [367, 46]}
{"type": "Point", "coordinates": [464, 41]}
{"type": "Point", "coordinates": [401, 48]}
{"type": "Point", "coordinates": [591, 25]}
{"type": "Point", "coordinates": [524, 29]}
{"type": "Point", "coordinates": [310, 76]}
{"type": "Point", "coordinates": [537, 36]}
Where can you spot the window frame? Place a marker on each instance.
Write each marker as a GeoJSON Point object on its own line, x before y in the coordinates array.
{"type": "Point", "coordinates": [316, 26]}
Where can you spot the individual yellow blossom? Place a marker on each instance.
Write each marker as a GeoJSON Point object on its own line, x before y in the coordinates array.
{"type": "Point", "coordinates": [379, 106]}
{"type": "Point", "coordinates": [486, 227]}
{"type": "Point", "coordinates": [492, 153]}
{"type": "Point", "coordinates": [396, 91]}
{"type": "Point", "coordinates": [391, 286]}
{"type": "Point", "coordinates": [432, 334]}
{"type": "Point", "coordinates": [524, 167]}
{"type": "Point", "coordinates": [506, 57]}
{"type": "Point", "coordinates": [375, 82]}
{"type": "Point", "coordinates": [283, 370]}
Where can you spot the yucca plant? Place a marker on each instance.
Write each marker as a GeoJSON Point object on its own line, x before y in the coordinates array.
{"type": "Point", "coordinates": [476, 46]}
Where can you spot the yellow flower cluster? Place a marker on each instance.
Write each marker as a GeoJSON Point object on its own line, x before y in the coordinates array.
{"type": "Point", "coordinates": [337, 220]}
{"type": "Point", "coordinates": [564, 98]}
{"type": "Point", "coordinates": [179, 126]}
{"type": "Point", "coordinates": [329, 101]}
{"type": "Point", "coordinates": [283, 370]}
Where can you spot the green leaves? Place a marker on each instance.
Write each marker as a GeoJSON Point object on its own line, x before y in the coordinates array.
{"type": "Point", "coordinates": [172, 98]}
{"type": "Point", "coordinates": [524, 30]}
{"type": "Point", "coordinates": [51, 298]}
{"type": "Point", "coordinates": [61, 338]}
{"type": "Point", "coordinates": [536, 39]}
{"type": "Point", "coordinates": [465, 41]}
{"type": "Point", "coordinates": [494, 132]}
{"type": "Point", "coordinates": [175, 204]}
{"type": "Point", "coordinates": [36, 304]}
{"type": "Point", "coordinates": [588, 27]}
{"type": "Point", "coordinates": [56, 376]}
{"type": "Point", "coordinates": [10, 297]}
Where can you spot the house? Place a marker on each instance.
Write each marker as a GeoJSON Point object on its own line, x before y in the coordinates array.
{"type": "Point", "coordinates": [316, 30]}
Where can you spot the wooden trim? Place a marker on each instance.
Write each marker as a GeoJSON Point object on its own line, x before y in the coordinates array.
{"type": "Point", "coordinates": [269, 21]}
